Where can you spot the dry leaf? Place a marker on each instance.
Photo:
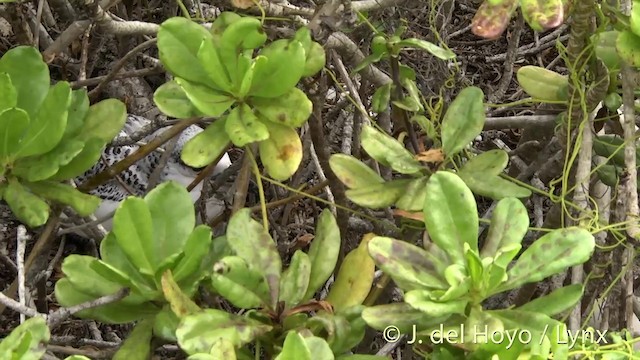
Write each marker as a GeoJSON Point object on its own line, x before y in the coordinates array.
{"type": "Point", "coordinates": [242, 4]}
{"type": "Point", "coordinates": [419, 216]}
{"type": "Point", "coordinates": [431, 156]}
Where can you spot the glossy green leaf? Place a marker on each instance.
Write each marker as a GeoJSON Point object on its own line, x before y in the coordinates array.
{"type": "Point", "coordinates": [8, 93]}
{"type": "Point", "coordinates": [491, 162]}
{"type": "Point", "coordinates": [552, 253]}
{"type": "Point", "coordinates": [352, 172]}
{"type": "Point", "coordinates": [27, 207]}
{"type": "Point", "coordinates": [37, 168]}
{"type": "Point", "coordinates": [291, 109]}
{"type": "Point", "coordinates": [173, 219]}
{"type": "Point", "coordinates": [609, 174]}
{"type": "Point", "coordinates": [463, 120]}
{"type": "Point", "coordinates": [29, 76]}
{"type": "Point", "coordinates": [198, 333]}
{"type": "Point", "coordinates": [206, 147]}
{"type": "Point", "coordinates": [295, 279]}
{"type": "Point", "coordinates": [179, 41]}
{"type": "Point", "coordinates": [244, 287]}
{"type": "Point", "coordinates": [379, 195]}
{"type": "Point", "coordinates": [47, 126]}
{"type": "Point", "coordinates": [388, 151]}
{"type": "Point", "coordinates": [558, 301]}
{"type": "Point", "coordinates": [408, 265]}
{"type": "Point", "coordinates": [243, 126]}
{"type": "Point", "coordinates": [82, 162]}
{"type": "Point", "coordinates": [450, 214]}
{"type": "Point", "coordinates": [78, 110]}
{"type": "Point", "coordinates": [137, 345]}
{"type": "Point", "coordinates": [180, 303]}
{"type": "Point", "coordinates": [253, 243]}
{"type": "Point", "coordinates": [104, 120]}
{"type": "Point", "coordinates": [294, 348]}
{"type": "Point", "coordinates": [414, 195]}
{"type": "Point", "coordinates": [316, 59]}
{"type": "Point", "coordinates": [543, 84]}
{"type": "Point", "coordinates": [494, 187]}
{"type": "Point", "coordinates": [173, 101]}
{"type": "Point", "coordinates": [400, 315]}
{"type": "Point", "coordinates": [429, 47]}
{"type": "Point", "coordinates": [281, 153]}
{"type": "Point", "coordinates": [27, 341]}
{"type": "Point", "coordinates": [354, 279]}
{"type": "Point", "coordinates": [509, 224]}
{"type": "Point", "coordinates": [83, 204]}
{"type": "Point", "coordinates": [207, 100]}
{"type": "Point", "coordinates": [323, 252]}
{"type": "Point", "coordinates": [381, 98]}
{"type": "Point", "coordinates": [133, 227]}
{"type": "Point", "coordinates": [83, 274]}
{"type": "Point", "coordinates": [422, 300]}
{"type": "Point", "coordinates": [112, 254]}
{"type": "Point", "coordinates": [284, 68]}
{"type": "Point", "coordinates": [212, 63]}
{"type": "Point", "coordinates": [194, 250]}
{"type": "Point", "coordinates": [13, 124]}
{"type": "Point", "coordinates": [612, 146]}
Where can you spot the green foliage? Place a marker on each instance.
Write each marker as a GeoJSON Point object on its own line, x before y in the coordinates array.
{"type": "Point", "coordinates": [449, 280]}
{"type": "Point", "coordinates": [27, 341]}
{"type": "Point", "coordinates": [543, 84]}
{"type": "Point", "coordinates": [255, 97]}
{"type": "Point", "coordinates": [50, 134]}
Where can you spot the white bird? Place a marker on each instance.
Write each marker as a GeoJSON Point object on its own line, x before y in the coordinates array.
{"type": "Point", "coordinates": [136, 178]}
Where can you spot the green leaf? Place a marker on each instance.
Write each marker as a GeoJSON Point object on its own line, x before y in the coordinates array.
{"type": "Point", "coordinates": [381, 98]}
{"type": "Point", "coordinates": [388, 151]}
{"type": "Point", "coordinates": [354, 279]}
{"type": "Point", "coordinates": [295, 279]}
{"type": "Point", "coordinates": [281, 153]}
{"type": "Point", "coordinates": [27, 341]}
{"type": "Point", "coordinates": [81, 271]}
{"type": "Point", "coordinates": [463, 120]}
{"type": "Point", "coordinates": [543, 84]}
{"type": "Point", "coordinates": [450, 215]}
{"type": "Point", "coordinates": [173, 218]}
{"type": "Point", "coordinates": [493, 187]}
{"type": "Point", "coordinates": [319, 348]}
{"type": "Point", "coordinates": [78, 110]}
{"type": "Point", "coordinates": [13, 124]}
{"type": "Point", "coordinates": [401, 315]}
{"type": "Point", "coordinates": [378, 196]}
{"type": "Point", "coordinates": [352, 172]}
{"type": "Point", "coordinates": [179, 41]}
{"type": "Point", "coordinates": [207, 100]}
{"type": "Point", "coordinates": [243, 126]}
{"type": "Point", "coordinates": [316, 59]}
{"type": "Point", "coordinates": [29, 76]}
{"type": "Point", "coordinates": [180, 303]}
{"type": "Point", "coordinates": [414, 195]}
{"type": "Point", "coordinates": [294, 348]}
{"type": "Point", "coordinates": [194, 250]}
{"type": "Point", "coordinates": [509, 224]}
{"type": "Point", "coordinates": [422, 300]}
{"type": "Point", "coordinates": [133, 227]}
{"type": "Point", "coordinates": [137, 345]}
{"type": "Point", "coordinates": [429, 47]}
{"type": "Point", "coordinates": [491, 162]}
{"type": "Point", "coordinates": [552, 253]}
{"type": "Point", "coordinates": [27, 207]}
{"type": "Point", "coordinates": [634, 20]}
{"type": "Point", "coordinates": [112, 254]}
{"type": "Point", "coordinates": [198, 333]}
{"type": "Point", "coordinates": [291, 109]}
{"type": "Point", "coordinates": [605, 49]}
{"type": "Point", "coordinates": [221, 349]}
{"type": "Point", "coordinates": [104, 120]}
{"type": "Point", "coordinates": [408, 265]}
{"type": "Point", "coordinates": [8, 93]}
{"type": "Point", "coordinates": [83, 204]}
{"type": "Point", "coordinates": [556, 302]}
{"type": "Point", "coordinates": [241, 285]}
{"type": "Point", "coordinates": [214, 66]}
{"type": "Point", "coordinates": [37, 168]}
{"type": "Point", "coordinates": [172, 100]}
{"type": "Point", "coordinates": [253, 243]}
{"type": "Point", "coordinates": [323, 252]}
{"type": "Point", "coordinates": [370, 59]}
{"type": "Point", "coordinates": [47, 127]}
{"type": "Point", "coordinates": [286, 62]}
{"type": "Point", "coordinates": [206, 147]}
{"type": "Point", "coordinates": [82, 162]}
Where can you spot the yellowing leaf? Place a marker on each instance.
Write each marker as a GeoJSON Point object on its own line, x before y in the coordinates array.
{"type": "Point", "coordinates": [281, 153]}
{"type": "Point", "coordinates": [354, 279]}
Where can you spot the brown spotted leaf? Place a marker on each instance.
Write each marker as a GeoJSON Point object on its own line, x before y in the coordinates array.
{"type": "Point", "coordinates": [542, 14]}
{"type": "Point", "coordinates": [551, 254]}
{"type": "Point", "coordinates": [281, 153]}
{"type": "Point", "coordinates": [490, 21]}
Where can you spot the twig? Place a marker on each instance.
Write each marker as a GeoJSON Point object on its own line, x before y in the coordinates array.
{"type": "Point", "coordinates": [323, 178]}
{"type": "Point", "coordinates": [123, 75]}
{"type": "Point", "coordinates": [242, 184]}
{"type": "Point", "coordinates": [14, 305]}
{"type": "Point", "coordinates": [57, 317]}
{"type": "Point", "coordinates": [21, 240]}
